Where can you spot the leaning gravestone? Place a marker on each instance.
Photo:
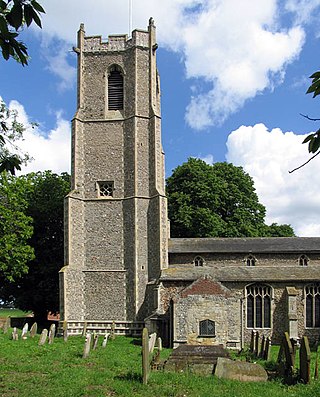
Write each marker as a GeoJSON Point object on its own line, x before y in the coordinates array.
{"type": "Point", "coordinates": [145, 356]}
{"type": "Point", "coordinates": [152, 342]}
{"type": "Point", "coordinates": [113, 331]}
{"type": "Point", "coordinates": [262, 347]}
{"type": "Point", "coordinates": [286, 359]}
{"type": "Point", "coordinates": [240, 370]}
{"type": "Point", "coordinates": [84, 330]}
{"type": "Point", "coordinates": [25, 331]}
{"type": "Point", "coordinates": [159, 344]}
{"type": "Point", "coordinates": [6, 325]}
{"type": "Point", "coordinates": [105, 340]}
{"type": "Point", "coordinates": [256, 344]}
{"type": "Point", "coordinates": [43, 337]}
{"type": "Point", "coordinates": [95, 341]}
{"type": "Point", "coordinates": [266, 355]}
{"type": "Point", "coordinates": [87, 346]}
{"type": "Point", "coordinates": [33, 330]}
{"type": "Point", "coordinates": [15, 335]}
{"type": "Point", "coordinates": [52, 333]}
{"type": "Point", "coordinates": [305, 356]}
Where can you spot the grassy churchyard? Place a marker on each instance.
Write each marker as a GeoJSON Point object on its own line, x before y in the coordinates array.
{"type": "Point", "coordinates": [58, 369]}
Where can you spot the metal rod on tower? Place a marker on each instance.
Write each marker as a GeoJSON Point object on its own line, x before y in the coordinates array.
{"type": "Point", "coordinates": [130, 17]}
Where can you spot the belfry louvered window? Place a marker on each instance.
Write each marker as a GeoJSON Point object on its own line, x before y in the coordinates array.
{"type": "Point", "coordinates": [115, 89]}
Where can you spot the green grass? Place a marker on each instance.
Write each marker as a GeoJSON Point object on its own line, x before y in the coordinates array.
{"type": "Point", "coordinates": [13, 313]}
{"type": "Point", "coordinates": [59, 370]}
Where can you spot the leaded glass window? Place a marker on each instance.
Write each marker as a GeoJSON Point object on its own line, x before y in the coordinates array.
{"type": "Point", "coordinates": [207, 328]}
{"type": "Point", "coordinates": [312, 293]}
{"type": "Point", "coordinates": [258, 306]}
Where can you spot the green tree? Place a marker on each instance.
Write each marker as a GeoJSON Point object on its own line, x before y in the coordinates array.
{"type": "Point", "coordinates": [38, 290]}
{"type": "Point", "coordinates": [14, 16]}
{"type": "Point", "coordinates": [15, 230]}
{"type": "Point", "coordinates": [214, 201]}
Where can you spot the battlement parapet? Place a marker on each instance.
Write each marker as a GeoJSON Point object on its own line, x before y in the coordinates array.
{"type": "Point", "coordinates": [119, 42]}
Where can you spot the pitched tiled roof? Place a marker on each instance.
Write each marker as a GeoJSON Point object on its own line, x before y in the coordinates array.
{"type": "Point", "coordinates": [245, 245]}
{"type": "Point", "coordinates": [243, 273]}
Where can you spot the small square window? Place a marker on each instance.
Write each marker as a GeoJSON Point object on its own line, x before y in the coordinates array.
{"type": "Point", "coordinates": [105, 189]}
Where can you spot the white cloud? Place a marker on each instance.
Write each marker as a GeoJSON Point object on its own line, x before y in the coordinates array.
{"type": "Point", "coordinates": [268, 156]}
{"type": "Point", "coordinates": [50, 150]}
{"type": "Point", "coordinates": [207, 159]}
{"type": "Point", "coordinates": [238, 48]}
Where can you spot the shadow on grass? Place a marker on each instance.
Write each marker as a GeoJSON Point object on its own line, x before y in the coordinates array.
{"type": "Point", "coordinates": [136, 342]}
{"type": "Point", "coordinates": [130, 376]}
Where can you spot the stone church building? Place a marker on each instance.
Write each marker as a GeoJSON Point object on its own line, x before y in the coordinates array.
{"type": "Point", "coordinates": [121, 264]}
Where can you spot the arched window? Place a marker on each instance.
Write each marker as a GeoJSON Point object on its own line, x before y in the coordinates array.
{"type": "Point", "coordinates": [207, 328]}
{"type": "Point", "coordinates": [250, 260]}
{"type": "Point", "coordinates": [198, 261]}
{"type": "Point", "coordinates": [258, 306]}
{"type": "Point", "coordinates": [115, 88]}
{"type": "Point", "coordinates": [303, 260]}
{"type": "Point", "coordinates": [312, 294]}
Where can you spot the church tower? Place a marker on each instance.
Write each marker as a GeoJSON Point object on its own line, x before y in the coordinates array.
{"type": "Point", "coordinates": [116, 213]}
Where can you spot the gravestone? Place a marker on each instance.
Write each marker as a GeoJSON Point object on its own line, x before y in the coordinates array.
{"type": "Point", "coordinates": [256, 344]}
{"type": "Point", "coordinates": [267, 349]}
{"type": "Point", "coordinates": [286, 358]}
{"type": "Point", "coordinates": [84, 330]}
{"type": "Point", "coordinates": [87, 346]}
{"type": "Point", "coordinates": [25, 331]}
{"type": "Point", "coordinates": [105, 340]}
{"type": "Point", "coordinates": [252, 341]}
{"type": "Point", "coordinates": [113, 331]}
{"type": "Point", "coordinates": [159, 344]}
{"type": "Point", "coordinates": [6, 325]}
{"type": "Point", "coordinates": [52, 333]}
{"type": "Point", "coordinates": [262, 347]}
{"type": "Point", "coordinates": [145, 356]}
{"type": "Point", "coordinates": [152, 342]}
{"type": "Point", "coordinates": [33, 330]}
{"type": "Point", "coordinates": [65, 331]}
{"type": "Point", "coordinates": [15, 335]}
{"type": "Point", "coordinates": [305, 356]}
{"type": "Point", "coordinates": [43, 337]}
{"type": "Point", "coordinates": [240, 370]}
{"type": "Point", "coordinates": [95, 341]}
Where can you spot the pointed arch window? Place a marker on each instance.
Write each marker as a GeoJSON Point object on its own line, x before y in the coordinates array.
{"type": "Point", "coordinates": [258, 306]}
{"type": "Point", "coordinates": [198, 261]}
{"type": "Point", "coordinates": [312, 302]}
{"type": "Point", "coordinates": [115, 88]}
{"type": "Point", "coordinates": [303, 260]}
{"type": "Point", "coordinates": [207, 328]}
{"type": "Point", "coordinates": [250, 260]}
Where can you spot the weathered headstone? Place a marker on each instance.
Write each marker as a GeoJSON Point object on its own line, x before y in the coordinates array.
{"type": "Point", "coordinates": [25, 331]}
{"type": "Point", "coordinates": [33, 330]}
{"type": "Point", "coordinates": [152, 342]}
{"type": "Point", "coordinates": [105, 339]}
{"type": "Point", "coordinates": [15, 335]}
{"type": "Point", "coordinates": [252, 341]}
{"type": "Point", "coordinates": [6, 325]}
{"type": "Point", "coordinates": [240, 370]}
{"type": "Point", "coordinates": [286, 358]}
{"type": "Point", "coordinates": [43, 337]}
{"type": "Point", "coordinates": [262, 346]}
{"type": "Point", "coordinates": [87, 346]}
{"type": "Point", "coordinates": [52, 333]}
{"type": "Point", "coordinates": [113, 331]}
{"type": "Point", "coordinates": [145, 356]}
{"type": "Point", "coordinates": [267, 349]}
{"type": "Point", "coordinates": [256, 344]}
{"type": "Point", "coordinates": [305, 356]}
{"type": "Point", "coordinates": [95, 341]}
{"type": "Point", "coordinates": [65, 331]}
{"type": "Point", "coordinates": [84, 330]}
{"type": "Point", "coordinates": [159, 344]}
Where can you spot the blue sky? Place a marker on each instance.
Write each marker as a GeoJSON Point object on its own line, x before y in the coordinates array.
{"type": "Point", "coordinates": [233, 79]}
